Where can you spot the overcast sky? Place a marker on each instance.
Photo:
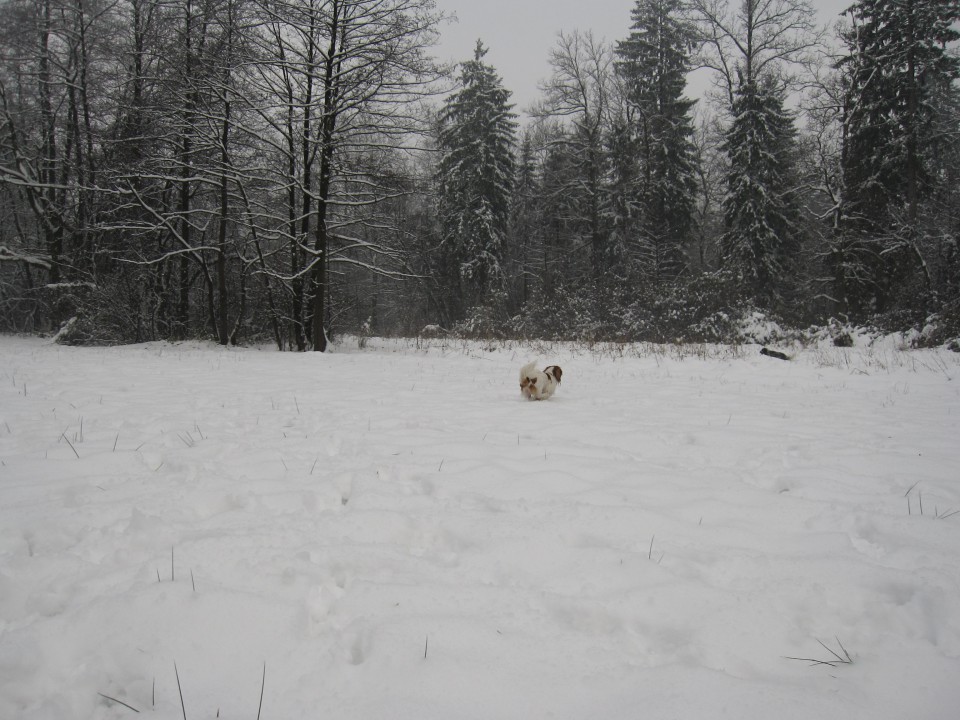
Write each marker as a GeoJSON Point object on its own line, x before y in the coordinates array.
{"type": "Point", "coordinates": [520, 33]}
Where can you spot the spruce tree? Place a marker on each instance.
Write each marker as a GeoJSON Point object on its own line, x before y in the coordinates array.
{"type": "Point", "coordinates": [653, 63]}
{"type": "Point", "coordinates": [475, 177]}
{"type": "Point", "coordinates": [898, 68]}
{"type": "Point", "coordinates": [759, 210]}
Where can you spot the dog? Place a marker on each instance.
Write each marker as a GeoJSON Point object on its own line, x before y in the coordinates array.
{"type": "Point", "coordinates": [539, 385]}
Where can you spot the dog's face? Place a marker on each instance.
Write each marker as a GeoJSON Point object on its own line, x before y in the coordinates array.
{"type": "Point", "coordinates": [529, 379]}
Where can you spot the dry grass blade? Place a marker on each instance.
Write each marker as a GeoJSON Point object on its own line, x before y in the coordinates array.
{"type": "Point", "coordinates": [812, 661]}
{"type": "Point", "coordinates": [118, 702]}
{"type": "Point", "coordinates": [263, 683]}
{"type": "Point", "coordinates": [844, 659]}
{"type": "Point", "coordinates": [824, 646]}
{"type": "Point", "coordinates": [180, 690]}
{"type": "Point", "coordinates": [64, 436]}
{"type": "Point", "coordinates": [849, 660]}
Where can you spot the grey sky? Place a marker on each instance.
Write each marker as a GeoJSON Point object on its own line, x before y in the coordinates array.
{"type": "Point", "coordinates": [520, 33]}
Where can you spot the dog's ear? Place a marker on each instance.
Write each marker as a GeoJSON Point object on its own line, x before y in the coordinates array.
{"type": "Point", "coordinates": [555, 371]}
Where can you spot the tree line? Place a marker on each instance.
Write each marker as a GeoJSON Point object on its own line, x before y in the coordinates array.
{"type": "Point", "coordinates": [284, 170]}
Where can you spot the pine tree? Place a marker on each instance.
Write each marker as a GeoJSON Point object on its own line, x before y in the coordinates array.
{"type": "Point", "coordinates": [475, 177]}
{"type": "Point", "coordinates": [758, 209]}
{"type": "Point", "coordinates": [654, 62]}
{"type": "Point", "coordinates": [898, 68]}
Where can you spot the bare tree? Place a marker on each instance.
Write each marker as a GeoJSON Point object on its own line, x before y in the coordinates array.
{"type": "Point", "coordinates": [579, 92]}
{"type": "Point", "coordinates": [344, 78]}
{"type": "Point", "coordinates": [744, 40]}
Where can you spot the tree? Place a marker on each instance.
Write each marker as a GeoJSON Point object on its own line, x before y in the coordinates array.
{"type": "Point", "coordinates": [751, 50]}
{"type": "Point", "coordinates": [525, 224]}
{"type": "Point", "coordinates": [653, 62]}
{"type": "Point", "coordinates": [579, 92]}
{"type": "Point", "coordinates": [476, 140]}
{"type": "Point", "coordinates": [759, 210]}
{"type": "Point", "coordinates": [898, 71]}
{"type": "Point", "coordinates": [754, 39]}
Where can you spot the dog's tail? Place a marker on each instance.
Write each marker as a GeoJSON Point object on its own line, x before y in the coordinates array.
{"type": "Point", "coordinates": [529, 369]}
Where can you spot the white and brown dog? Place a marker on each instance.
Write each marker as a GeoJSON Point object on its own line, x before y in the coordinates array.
{"type": "Point", "coordinates": [539, 385]}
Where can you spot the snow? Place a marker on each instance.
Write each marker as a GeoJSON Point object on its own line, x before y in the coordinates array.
{"type": "Point", "coordinates": [392, 532]}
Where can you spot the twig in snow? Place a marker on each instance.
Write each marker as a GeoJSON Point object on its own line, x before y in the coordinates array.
{"type": "Point", "coordinates": [118, 702]}
{"type": "Point", "coordinates": [182, 706]}
{"type": "Point", "coordinates": [314, 464]}
{"type": "Point", "coordinates": [650, 551]}
{"type": "Point", "coordinates": [426, 645]}
{"type": "Point", "coordinates": [911, 488]}
{"type": "Point", "coordinates": [441, 464]}
{"type": "Point", "coordinates": [192, 581]}
{"type": "Point", "coordinates": [297, 404]}
{"type": "Point", "coordinates": [117, 438]}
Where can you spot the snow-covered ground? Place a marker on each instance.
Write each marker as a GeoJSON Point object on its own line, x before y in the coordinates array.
{"type": "Point", "coordinates": [393, 533]}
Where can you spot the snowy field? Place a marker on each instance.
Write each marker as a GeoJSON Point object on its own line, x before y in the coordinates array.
{"type": "Point", "coordinates": [393, 533]}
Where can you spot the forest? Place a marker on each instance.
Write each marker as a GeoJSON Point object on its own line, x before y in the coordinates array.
{"type": "Point", "coordinates": [287, 171]}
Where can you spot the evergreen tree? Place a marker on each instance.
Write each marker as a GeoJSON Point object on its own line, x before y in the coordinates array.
{"type": "Point", "coordinates": [898, 68]}
{"type": "Point", "coordinates": [624, 197]}
{"type": "Point", "coordinates": [475, 178]}
{"type": "Point", "coordinates": [654, 62]}
{"type": "Point", "coordinates": [524, 224]}
{"type": "Point", "coordinates": [564, 199]}
{"type": "Point", "coordinates": [759, 210]}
